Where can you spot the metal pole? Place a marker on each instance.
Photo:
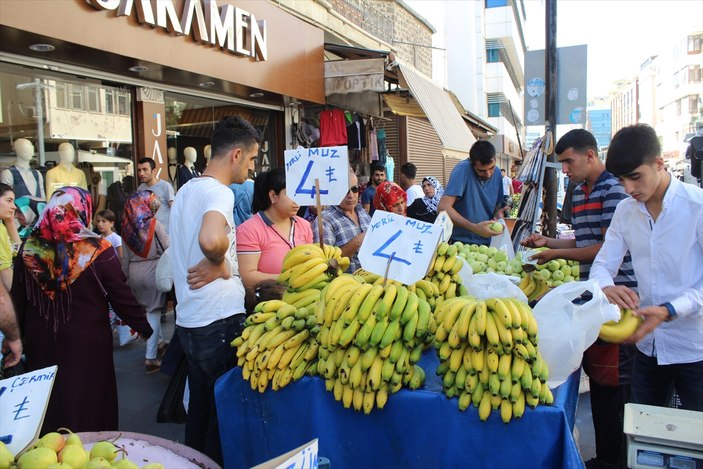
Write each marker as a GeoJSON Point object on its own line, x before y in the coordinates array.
{"type": "Point", "coordinates": [549, 227]}
{"type": "Point", "coordinates": [39, 103]}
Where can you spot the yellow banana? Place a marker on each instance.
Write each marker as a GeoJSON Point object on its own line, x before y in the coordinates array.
{"type": "Point", "coordinates": [500, 311]}
{"type": "Point", "coordinates": [308, 273]}
{"type": "Point", "coordinates": [438, 263]}
{"type": "Point", "coordinates": [506, 410]}
{"type": "Point", "coordinates": [506, 337]}
{"type": "Point", "coordinates": [423, 319]}
{"type": "Point", "coordinates": [364, 334]}
{"type": "Point", "coordinates": [338, 283]}
{"type": "Point", "coordinates": [448, 263]}
{"type": "Point", "coordinates": [399, 304]}
{"type": "Point", "coordinates": [444, 285]}
{"type": "Point", "coordinates": [383, 308]}
{"type": "Point", "coordinates": [299, 254]}
{"type": "Point", "coordinates": [382, 397]}
{"type": "Point", "coordinates": [617, 332]}
{"type": "Point", "coordinates": [355, 302]}
{"type": "Point", "coordinates": [519, 406]}
{"type": "Point", "coordinates": [349, 333]}
{"type": "Point", "coordinates": [484, 408]}
{"type": "Point", "coordinates": [369, 302]}
{"type": "Point", "coordinates": [504, 367]}
{"type": "Point", "coordinates": [491, 330]}
{"type": "Point", "coordinates": [411, 306]}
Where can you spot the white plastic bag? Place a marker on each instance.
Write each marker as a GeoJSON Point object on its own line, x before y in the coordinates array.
{"type": "Point", "coordinates": [164, 274]}
{"type": "Point", "coordinates": [492, 285]}
{"type": "Point", "coordinates": [503, 241]}
{"type": "Point", "coordinates": [566, 329]}
{"type": "Point", "coordinates": [125, 334]}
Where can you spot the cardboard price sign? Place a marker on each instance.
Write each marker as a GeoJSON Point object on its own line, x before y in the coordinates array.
{"type": "Point", "coordinates": [445, 225]}
{"type": "Point", "coordinates": [23, 401]}
{"type": "Point", "coordinates": [328, 165]}
{"type": "Point", "coordinates": [408, 244]}
{"type": "Point", "coordinates": [302, 457]}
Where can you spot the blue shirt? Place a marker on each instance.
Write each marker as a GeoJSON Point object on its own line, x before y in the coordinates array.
{"type": "Point", "coordinates": [591, 214]}
{"type": "Point", "coordinates": [476, 199]}
{"type": "Point", "coordinates": [243, 197]}
{"type": "Point", "coordinates": [367, 197]}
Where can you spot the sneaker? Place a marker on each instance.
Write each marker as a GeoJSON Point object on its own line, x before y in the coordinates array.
{"type": "Point", "coordinates": [152, 366]}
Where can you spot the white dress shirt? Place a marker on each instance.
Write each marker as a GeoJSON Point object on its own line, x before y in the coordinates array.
{"type": "Point", "coordinates": [667, 256]}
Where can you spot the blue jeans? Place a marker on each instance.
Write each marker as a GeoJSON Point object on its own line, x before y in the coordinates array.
{"type": "Point", "coordinates": [209, 355]}
{"type": "Point", "coordinates": [651, 383]}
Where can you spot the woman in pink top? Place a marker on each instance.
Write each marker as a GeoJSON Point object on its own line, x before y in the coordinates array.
{"type": "Point", "coordinates": [264, 239]}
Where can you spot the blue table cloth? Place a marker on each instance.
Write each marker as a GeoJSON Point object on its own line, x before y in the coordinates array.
{"type": "Point", "coordinates": [416, 429]}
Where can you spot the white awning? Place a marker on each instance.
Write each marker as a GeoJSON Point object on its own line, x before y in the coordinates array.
{"type": "Point", "coordinates": [439, 108]}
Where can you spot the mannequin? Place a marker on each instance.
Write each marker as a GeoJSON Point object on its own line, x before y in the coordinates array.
{"type": "Point", "coordinates": [65, 174]}
{"type": "Point", "coordinates": [172, 166]}
{"type": "Point", "coordinates": [187, 170]}
{"type": "Point", "coordinates": [23, 179]}
{"type": "Point", "coordinates": [207, 151]}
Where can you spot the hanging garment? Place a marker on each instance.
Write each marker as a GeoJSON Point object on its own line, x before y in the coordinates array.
{"type": "Point", "coordinates": [382, 150]}
{"type": "Point", "coordinates": [333, 128]}
{"type": "Point", "coordinates": [373, 145]}
{"type": "Point", "coordinates": [356, 133]}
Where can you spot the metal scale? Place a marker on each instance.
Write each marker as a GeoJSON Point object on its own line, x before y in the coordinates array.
{"type": "Point", "coordinates": [663, 437]}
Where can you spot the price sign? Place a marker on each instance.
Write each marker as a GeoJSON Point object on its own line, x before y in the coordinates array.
{"type": "Point", "coordinates": [23, 401]}
{"type": "Point", "coordinates": [329, 165]}
{"type": "Point", "coordinates": [410, 243]}
{"type": "Point", "coordinates": [302, 457]}
{"type": "Point", "coordinates": [446, 226]}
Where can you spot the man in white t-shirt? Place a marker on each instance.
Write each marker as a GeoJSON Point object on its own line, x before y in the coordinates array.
{"type": "Point", "coordinates": [146, 171]}
{"type": "Point", "coordinates": [408, 172]}
{"type": "Point", "coordinates": [507, 186]}
{"type": "Point", "coordinates": [208, 288]}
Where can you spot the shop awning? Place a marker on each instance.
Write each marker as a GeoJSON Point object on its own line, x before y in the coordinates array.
{"type": "Point", "coordinates": [437, 105]}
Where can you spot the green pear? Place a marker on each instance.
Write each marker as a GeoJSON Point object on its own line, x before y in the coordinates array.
{"type": "Point", "coordinates": [104, 449]}
{"type": "Point", "coordinates": [153, 465]}
{"type": "Point", "coordinates": [59, 465]}
{"type": "Point", "coordinates": [54, 441]}
{"type": "Point", "coordinates": [37, 458]}
{"type": "Point", "coordinates": [74, 455]}
{"type": "Point", "coordinates": [125, 463]}
{"type": "Point", "coordinates": [6, 456]}
{"type": "Point", "coordinates": [98, 463]}
{"type": "Point", "coordinates": [72, 438]}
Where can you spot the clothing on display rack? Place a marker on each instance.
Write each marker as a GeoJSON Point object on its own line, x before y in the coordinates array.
{"type": "Point", "coordinates": [382, 150]}
{"type": "Point", "coordinates": [356, 133]}
{"type": "Point", "coordinates": [373, 144]}
{"type": "Point", "coordinates": [390, 167]}
{"type": "Point", "coordinates": [333, 128]}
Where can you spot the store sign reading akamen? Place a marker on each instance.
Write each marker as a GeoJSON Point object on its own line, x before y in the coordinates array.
{"type": "Point", "coordinates": [228, 27]}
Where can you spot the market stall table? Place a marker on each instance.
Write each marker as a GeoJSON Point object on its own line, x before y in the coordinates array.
{"type": "Point", "coordinates": [416, 429]}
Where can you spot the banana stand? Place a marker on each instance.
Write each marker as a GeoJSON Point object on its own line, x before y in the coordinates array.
{"type": "Point", "coordinates": [416, 429]}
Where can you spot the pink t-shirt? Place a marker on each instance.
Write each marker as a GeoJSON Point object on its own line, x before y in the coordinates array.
{"type": "Point", "coordinates": [258, 236]}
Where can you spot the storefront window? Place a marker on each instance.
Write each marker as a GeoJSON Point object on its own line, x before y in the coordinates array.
{"type": "Point", "coordinates": [41, 105]}
{"type": "Point", "coordinates": [190, 121]}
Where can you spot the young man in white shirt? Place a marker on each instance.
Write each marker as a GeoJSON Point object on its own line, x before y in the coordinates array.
{"type": "Point", "coordinates": [408, 172]}
{"type": "Point", "coordinates": [146, 171]}
{"type": "Point", "coordinates": [662, 227]}
{"type": "Point", "coordinates": [208, 288]}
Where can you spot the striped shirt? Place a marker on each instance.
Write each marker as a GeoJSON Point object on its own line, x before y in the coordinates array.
{"type": "Point", "coordinates": [338, 229]}
{"type": "Point", "coordinates": [592, 212]}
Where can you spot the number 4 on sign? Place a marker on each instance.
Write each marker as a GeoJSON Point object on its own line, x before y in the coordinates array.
{"type": "Point", "coordinates": [380, 252]}
{"type": "Point", "coordinates": [301, 190]}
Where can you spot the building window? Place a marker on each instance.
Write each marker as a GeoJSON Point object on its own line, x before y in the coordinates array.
{"type": "Point", "coordinates": [77, 103]}
{"type": "Point", "coordinates": [493, 109]}
{"type": "Point", "coordinates": [694, 73]}
{"type": "Point", "coordinates": [123, 103]}
{"type": "Point", "coordinates": [695, 44]}
{"type": "Point", "coordinates": [93, 99]}
{"type": "Point", "coordinates": [693, 104]}
{"type": "Point", "coordinates": [61, 95]}
{"type": "Point", "coordinates": [496, 3]}
{"type": "Point", "coordinates": [109, 101]}
{"type": "Point", "coordinates": [492, 55]}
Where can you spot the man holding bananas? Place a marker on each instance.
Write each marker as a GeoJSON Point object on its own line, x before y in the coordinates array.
{"type": "Point", "coordinates": [608, 366]}
{"type": "Point", "coordinates": [662, 226]}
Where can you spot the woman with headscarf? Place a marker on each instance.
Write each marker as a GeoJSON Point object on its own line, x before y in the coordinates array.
{"type": "Point", "coordinates": [146, 240]}
{"type": "Point", "coordinates": [65, 275]}
{"type": "Point", "coordinates": [390, 197]}
{"type": "Point", "coordinates": [425, 208]}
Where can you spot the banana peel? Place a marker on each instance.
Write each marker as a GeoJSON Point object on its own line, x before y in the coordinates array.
{"type": "Point", "coordinates": [616, 332]}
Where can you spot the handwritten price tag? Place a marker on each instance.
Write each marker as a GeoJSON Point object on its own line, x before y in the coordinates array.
{"type": "Point", "coordinates": [411, 243]}
{"type": "Point", "coordinates": [23, 401]}
{"type": "Point", "coordinates": [330, 165]}
{"type": "Point", "coordinates": [445, 225]}
{"type": "Point", "coordinates": [302, 457]}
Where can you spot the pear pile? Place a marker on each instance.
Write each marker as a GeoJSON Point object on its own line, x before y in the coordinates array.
{"type": "Point", "coordinates": [489, 357]}
{"type": "Point", "coordinates": [278, 344]}
{"type": "Point", "coordinates": [371, 335]}
{"type": "Point", "coordinates": [54, 450]}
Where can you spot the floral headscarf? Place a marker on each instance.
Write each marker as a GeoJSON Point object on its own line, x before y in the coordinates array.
{"type": "Point", "coordinates": [433, 202]}
{"type": "Point", "coordinates": [387, 195]}
{"type": "Point", "coordinates": [28, 210]}
{"type": "Point", "coordinates": [140, 221]}
{"type": "Point", "coordinates": [61, 247]}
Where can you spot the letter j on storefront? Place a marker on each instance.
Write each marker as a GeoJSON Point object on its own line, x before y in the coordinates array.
{"type": "Point", "coordinates": [329, 165]}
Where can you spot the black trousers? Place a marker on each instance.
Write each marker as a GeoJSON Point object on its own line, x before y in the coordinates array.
{"type": "Point", "coordinates": [607, 408]}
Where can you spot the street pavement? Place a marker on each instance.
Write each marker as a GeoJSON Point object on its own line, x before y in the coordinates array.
{"type": "Point", "coordinates": [140, 395]}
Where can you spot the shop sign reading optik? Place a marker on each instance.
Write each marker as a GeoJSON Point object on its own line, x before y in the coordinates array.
{"type": "Point", "coordinates": [228, 27]}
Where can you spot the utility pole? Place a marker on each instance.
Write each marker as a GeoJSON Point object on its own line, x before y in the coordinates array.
{"type": "Point", "coordinates": [549, 214]}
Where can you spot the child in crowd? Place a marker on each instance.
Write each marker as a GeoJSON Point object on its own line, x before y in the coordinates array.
{"type": "Point", "coordinates": [105, 224]}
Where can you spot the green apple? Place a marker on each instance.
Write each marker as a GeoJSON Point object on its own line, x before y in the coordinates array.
{"type": "Point", "coordinates": [501, 266]}
{"type": "Point", "coordinates": [500, 256]}
{"type": "Point", "coordinates": [553, 265]}
{"type": "Point", "coordinates": [546, 273]}
{"type": "Point", "coordinates": [473, 247]}
{"type": "Point", "coordinates": [558, 275]}
{"type": "Point", "coordinates": [491, 263]}
{"type": "Point", "coordinates": [565, 269]}
{"type": "Point", "coordinates": [482, 257]}
{"type": "Point", "coordinates": [575, 271]}
{"type": "Point", "coordinates": [482, 249]}
{"type": "Point", "coordinates": [556, 283]}
{"type": "Point", "coordinates": [496, 227]}
{"type": "Point", "coordinates": [568, 278]}
{"type": "Point", "coordinates": [491, 251]}
{"type": "Point", "coordinates": [509, 269]}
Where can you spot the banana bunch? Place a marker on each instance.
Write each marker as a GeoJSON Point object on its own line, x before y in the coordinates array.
{"type": "Point", "coordinates": [533, 285]}
{"type": "Point", "coordinates": [616, 332]}
{"type": "Point", "coordinates": [444, 275]}
{"type": "Point", "coordinates": [308, 267]}
{"type": "Point", "coordinates": [488, 356]}
{"type": "Point", "coordinates": [371, 335]}
{"type": "Point", "coordinates": [277, 345]}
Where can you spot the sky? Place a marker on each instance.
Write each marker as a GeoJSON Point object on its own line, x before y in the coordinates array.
{"type": "Point", "coordinates": [620, 34]}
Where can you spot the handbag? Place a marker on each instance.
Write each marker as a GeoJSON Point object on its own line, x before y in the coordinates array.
{"type": "Point", "coordinates": [164, 273]}
{"type": "Point", "coordinates": [171, 409]}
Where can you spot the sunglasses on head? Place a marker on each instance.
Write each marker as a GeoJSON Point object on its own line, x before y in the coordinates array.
{"type": "Point", "coordinates": [354, 189]}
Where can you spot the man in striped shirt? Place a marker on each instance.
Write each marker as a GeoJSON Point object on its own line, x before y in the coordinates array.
{"type": "Point", "coordinates": [608, 365]}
